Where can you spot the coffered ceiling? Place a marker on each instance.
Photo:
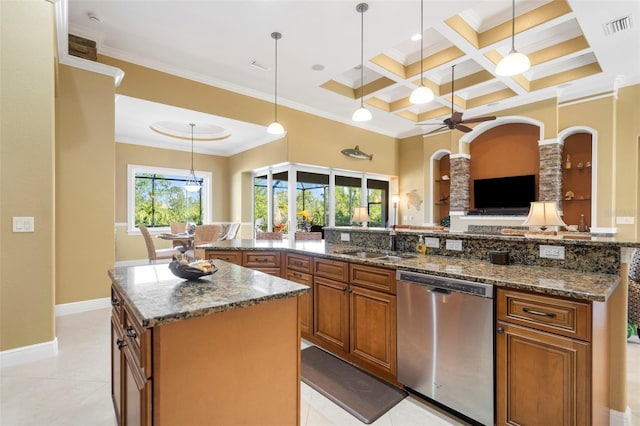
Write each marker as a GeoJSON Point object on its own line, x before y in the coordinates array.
{"type": "Point", "coordinates": [576, 47]}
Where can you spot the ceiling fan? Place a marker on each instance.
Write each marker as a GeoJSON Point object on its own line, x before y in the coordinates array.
{"type": "Point", "coordinates": [456, 121]}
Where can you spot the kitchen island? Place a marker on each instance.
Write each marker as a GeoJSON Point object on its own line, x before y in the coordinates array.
{"type": "Point", "coordinates": [224, 349]}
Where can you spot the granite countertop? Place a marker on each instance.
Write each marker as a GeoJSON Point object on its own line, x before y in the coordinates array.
{"type": "Point", "coordinates": [157, 297]}
{"type": "Point", "coordinates": [546, 280]}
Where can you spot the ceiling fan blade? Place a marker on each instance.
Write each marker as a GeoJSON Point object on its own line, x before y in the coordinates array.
{"type": "Point", "coordinates": [462, 128]}
{"type": "Point", "coordinates": [456, 116]}
{"type": "Point", "coordinates": [429, 123]}
{"type": "Point", "coordinates": [478, 119]}
{"type": "Point", "coordinates": [436, 130]}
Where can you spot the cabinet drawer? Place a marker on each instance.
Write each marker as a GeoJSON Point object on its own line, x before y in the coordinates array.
{"type": "Point", "coordinates": [299, 277]}
{"type": "Point", "coordinates": [230, 256]}
{"type": "Point", "coordinates": [297, 262]}
{"type": "Point", "coordinates": [261, 259]}
{"type": "Point", "coordinates": [547, 313]}
{"type": "Point", "coordinates": [332, 269]}
{"type": "Point", "coordinates": [271, 271]}
{"type": "Point", "coordinates": [373, 277]}
{"type": "Point", "coordinates": [139, 342]}
{"type": "Point", "coordinates": [116, 303]}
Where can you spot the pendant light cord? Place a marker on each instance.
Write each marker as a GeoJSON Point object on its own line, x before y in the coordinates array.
{"type": "Point", "coordinates": [513, 25]}
{"type": "Point", "coordinates": [452, 67]}
{"type": "Point", "coordinates": [362, 10]}
{"type": "Point", "coordinates": [192, 126]}
{"type": "Point", "coordinates": [275, 104]}
{"type": "Point", "coordinates": [421, 42]}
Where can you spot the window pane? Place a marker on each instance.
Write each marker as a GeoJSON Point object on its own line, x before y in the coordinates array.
{"type": "Point", "coordinates": [162, 199]}
{"type": "Point", "coordinates": [312, 190]}
{"type": "Point", "coordinates": [260, 202]}
{"type": "Point", "coordinates": [348, 196]}
{"type": "Point", "coordinates": [377, 198]}
{"type": "Point", "coordinates": [280, 202]}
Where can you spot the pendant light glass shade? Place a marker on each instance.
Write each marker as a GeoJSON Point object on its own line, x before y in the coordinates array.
{"type": "Point", "coordinates": [422, 94]}
{"type": "Point", "coordinates": [362, 114]}
{"type": "Point", "coordinates": [276, 128]}
{"type": "Point", "coordinates": [192, 184]}
{"type": "Point", "coordinates": [514, 63]}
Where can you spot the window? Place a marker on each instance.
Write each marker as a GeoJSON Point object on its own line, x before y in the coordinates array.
{"type": "Point", "coordinates": [377, 196]}
{"type": "Point", "coordinates": [348, 197]}
{"type": "Point", "coordinates": [156, 197]}
{"type": "Point", "coordinates": [312, 197]}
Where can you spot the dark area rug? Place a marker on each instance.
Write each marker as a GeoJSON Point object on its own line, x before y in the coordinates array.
{"type": "Point", "coordinates": [362, 395]}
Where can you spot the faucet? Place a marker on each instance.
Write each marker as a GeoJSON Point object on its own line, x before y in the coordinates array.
{"type": "Point", "coordinates": [393, 239]}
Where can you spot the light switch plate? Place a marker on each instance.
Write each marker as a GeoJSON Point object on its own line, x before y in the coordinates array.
{"type": "Point", "coordinates": [454, 245]}
{"type": "Point", "coordinates": [344, 236]}
{"type": "Point", "coordinates": [432, 242]}
{"type": "Point", "coordinates": [552, 252]}
{"type": "Point", "coordinates": [625, 220]}
{"type": "Point", "coordinates": [23, 224]}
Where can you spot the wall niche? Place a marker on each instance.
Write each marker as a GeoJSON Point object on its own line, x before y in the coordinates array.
{"type": "Point", "coordinates": [576, 178]}
{"type": "Point", "coordinates": [507, 150]}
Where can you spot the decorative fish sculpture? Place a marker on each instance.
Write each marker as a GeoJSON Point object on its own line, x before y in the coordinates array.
{"type": "Point", "coordinates": [356, 153]}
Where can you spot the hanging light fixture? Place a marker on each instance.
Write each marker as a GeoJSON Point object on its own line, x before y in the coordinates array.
{"type": "Point", "coordinates": [515, 62]}
{"type": "Point", "coordinates": [192, 184]}
{"type": "Point", "coordinates": [422, 94]}
{"type": "Point", "coordinates": [276, 128]}
{"type": "Point", "coordinates": [362, 114]}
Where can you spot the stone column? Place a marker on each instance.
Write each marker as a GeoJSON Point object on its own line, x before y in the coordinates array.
{"type": "Point", "coordinates": [550, 184]}
{"type": "Point", "coordinates": [460, 168]}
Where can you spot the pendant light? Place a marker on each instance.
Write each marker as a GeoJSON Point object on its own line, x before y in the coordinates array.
{"type": "Point", "coordinates": [422, 94]}
{"type": "Point", "coordinates": [362, 114]}
{"type": "Point", "coordinates": [276, 128]}
{"type": "Point", "coordinates": [192, 184]}
{"type": "Point", "coordinates": [515, 62]}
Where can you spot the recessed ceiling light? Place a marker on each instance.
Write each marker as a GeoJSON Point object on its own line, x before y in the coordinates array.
{"type": "Point", "coordinates": [317, 67]}
{"type": "Point", "coordinates": [93, 17]}
{"type": "Point", "coordinates": [416, 37]}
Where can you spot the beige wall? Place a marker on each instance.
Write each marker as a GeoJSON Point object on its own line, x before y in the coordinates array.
{"type": "Point", "coordinates": [85, 156]}
{"type": "Point", "coordinates": [26, 173]}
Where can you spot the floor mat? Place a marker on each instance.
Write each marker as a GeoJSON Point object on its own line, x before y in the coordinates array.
{"type": "Point", "coordinates": [362, 395]}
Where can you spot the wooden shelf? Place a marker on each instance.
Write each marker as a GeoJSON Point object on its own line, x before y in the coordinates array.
{"type": "Point", "coordinates": [578, 199]}
{"type": "Point", "coordinates": [576, 169]}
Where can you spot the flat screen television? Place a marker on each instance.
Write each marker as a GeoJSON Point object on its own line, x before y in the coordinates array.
{"type": "Point", "coordinates": [511, 192]}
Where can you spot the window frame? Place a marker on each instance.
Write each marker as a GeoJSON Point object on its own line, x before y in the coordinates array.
{"type": "Point", "coordinates": [133, 169]}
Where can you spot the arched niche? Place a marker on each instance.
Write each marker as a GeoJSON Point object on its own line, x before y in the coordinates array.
{"type": "Point", "coordinates": [439, 188]}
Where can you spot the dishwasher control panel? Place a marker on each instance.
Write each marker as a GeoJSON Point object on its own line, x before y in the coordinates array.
{"type": "Point", "coordinates": [452, 284]}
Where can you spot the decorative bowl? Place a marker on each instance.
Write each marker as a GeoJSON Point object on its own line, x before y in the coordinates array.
{"type": "Point", "coordinates": [191, 268]}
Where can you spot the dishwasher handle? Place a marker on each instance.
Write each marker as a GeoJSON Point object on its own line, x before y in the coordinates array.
{"type": "Point", "coordinates": [438, 290]}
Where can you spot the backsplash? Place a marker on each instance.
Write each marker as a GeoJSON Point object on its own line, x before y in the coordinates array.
{"type": "Point", "coordinates": [583, 256]}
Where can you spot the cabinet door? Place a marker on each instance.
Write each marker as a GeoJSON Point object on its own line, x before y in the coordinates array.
{"type": "Point", "coordinates": [542, 379]}
{"type": "Point", "coordinates": [305, 302]}
{"type": "Point", "coordinates": [373, 327]}
{"type": "Point", "coordinates": [137, 393]}
{"type": "Point", "coordinates": [330, 312]}
{"type": "Point", "coordinates": [117, 360]}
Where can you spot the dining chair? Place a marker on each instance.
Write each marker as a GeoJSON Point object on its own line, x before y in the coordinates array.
{"type": "Point", "coordinates": [231, 232]}
{"type": "Point", "coordinates": [153, 253]}
{"type": "Point", "coordinates": [204, 234]}
{"type": "Point", "coordinates": [178, 228]}
{"type": "Point", "coordinates": [268, 235]}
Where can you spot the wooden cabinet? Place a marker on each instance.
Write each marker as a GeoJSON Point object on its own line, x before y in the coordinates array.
{"type": "Point", "coordinates": [230, 256]}
{"type": "Point", "coordinates": [355, 314]}
{"type": "Point", "coordinates": [264, 261]}
{"type": "Point", "coordinates": [299, 269]}
{"type": "Point", "coordinates": [546, 351]}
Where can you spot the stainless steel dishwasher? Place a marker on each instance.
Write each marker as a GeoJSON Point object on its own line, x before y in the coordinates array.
{"type": "Point", "coordinates": [446, 343]}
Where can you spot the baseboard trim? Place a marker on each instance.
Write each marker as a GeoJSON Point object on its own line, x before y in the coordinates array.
{"type": "Point", "coordinates": [618, 418]}
{"type": "Point", "coordinates": [84, 306]}
{"type": "Point", "coordinates": [29, 353]}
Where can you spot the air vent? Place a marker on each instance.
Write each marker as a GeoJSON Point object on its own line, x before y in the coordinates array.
{"type": "Point", "coordinates": [617, 25]}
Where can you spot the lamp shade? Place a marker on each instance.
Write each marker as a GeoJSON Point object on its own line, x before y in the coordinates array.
{"type": "Point", "coordinates": [361, 114]}
{"type": "Point", "coordinates": [543, 214]}
{"type": "Point", "coordinates": [360, 215]}
{"type": "Point", "coordinates": [512, 64]}
{"type": "Point", "coordinates": [275, 128]}
{"type": "Point", "coordinates": [421, 95]}
{"type": "Point", "coordinates": [395, 198]}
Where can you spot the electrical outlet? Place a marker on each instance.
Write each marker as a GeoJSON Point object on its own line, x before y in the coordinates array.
{"type": "Point", "coordinates": [23, 224]}
{"type": "Point", "coordinates": [625, 220]}
{"type": "Point", "coordinates": [454, 245]}
{"type": "Point", "coordinates": [552, 252]}
{"type": "Point", "coordinates": [432, 242]}
{"type": "Point", "coordinates": [345, 236]}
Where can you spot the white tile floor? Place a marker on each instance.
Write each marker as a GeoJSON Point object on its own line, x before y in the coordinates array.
{"type": "Point", "coordinates": [73, 387]}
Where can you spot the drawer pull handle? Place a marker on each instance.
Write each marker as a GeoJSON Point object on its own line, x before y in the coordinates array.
{"type": "Point", "coordinates": [115, 302]}
{"type": "Point", "coordinates": [223, 258]}
{"type": "Point", "coordinates": [297, 263]}
{"type": "Point", "coordinates": [131, 333]}
{"type": "Point", "coordinates": [500, 330]}
{"type": "Point", "coordinates": [538, 313]}
{"type": "Point", "coordinates": [297, 275]}
{"type": "Point", "coordinates": [121, 344]}
{"type": "Point", "coordinates": [344, 288]}
{"type": "Point", "coordinates": [261, 259]}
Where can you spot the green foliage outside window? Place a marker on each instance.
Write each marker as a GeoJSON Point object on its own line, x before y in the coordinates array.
{"type": "Point", "coordinates": [161, 200]}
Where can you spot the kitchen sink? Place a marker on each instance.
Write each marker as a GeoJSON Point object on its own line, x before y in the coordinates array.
{"type": "Point", "coordinates": [365, 254]}
{"type": "Point", "coordinates": [398, 258]}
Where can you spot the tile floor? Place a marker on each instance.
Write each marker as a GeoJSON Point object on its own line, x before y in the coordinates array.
{"type": "Point", "coordinates": [73, 387]}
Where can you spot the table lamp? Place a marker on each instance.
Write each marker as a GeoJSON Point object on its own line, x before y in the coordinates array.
{"type": "Point", "coordinates": [543, 214]}
{"type": "Point", "coordinates": [395, 199]}
{"type": "Point", "coordinates": [360, 215]}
